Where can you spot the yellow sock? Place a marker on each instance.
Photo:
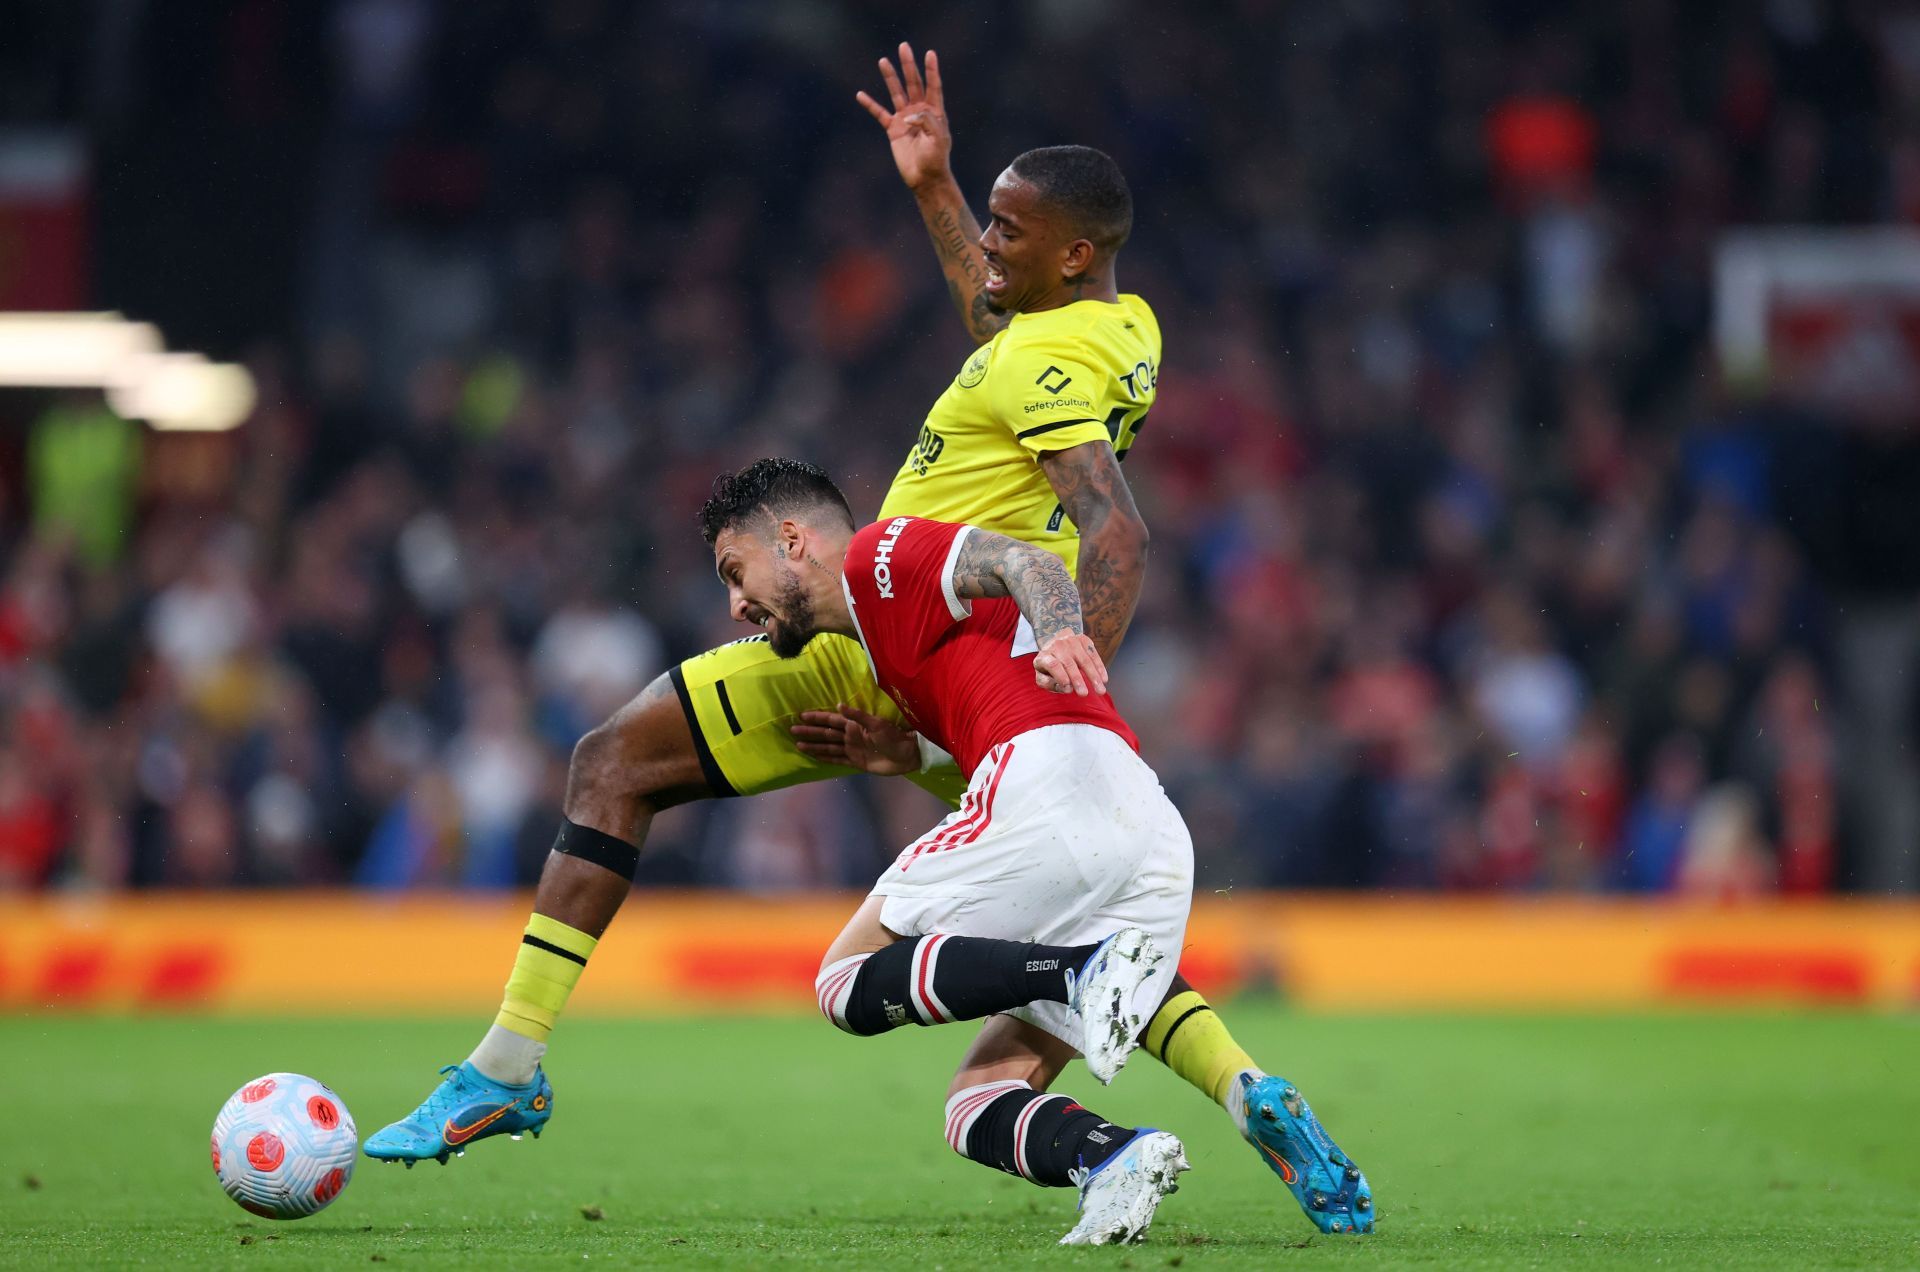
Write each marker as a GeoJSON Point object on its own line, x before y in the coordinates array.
{"type": "Point", "coordinates": [552, 956]}
{"type": "Point", "coordinates": [1189, 1038]}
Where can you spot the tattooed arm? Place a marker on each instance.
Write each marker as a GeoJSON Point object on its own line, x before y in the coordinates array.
{"type": "Point", "coordinates": [993, 565]}
{"type": "Point", "coordinates": [922, 147]}
{"type": "Point", "coordinates": [1113, 538]}
{"type": "Point", "coordinates": [956, 239]}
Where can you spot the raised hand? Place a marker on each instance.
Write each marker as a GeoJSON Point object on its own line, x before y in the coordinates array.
{"type": "Point", "coordinates": [917, 124]}
{"type": "Point", "coordinates": [1069, 663]}
{"type": "Point", "coordinates": [850, 737]}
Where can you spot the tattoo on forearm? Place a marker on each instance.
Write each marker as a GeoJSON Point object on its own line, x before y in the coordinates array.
{"type": "Point", "coordinates": [1113, 556]}
{"type": "Point", "coordinates": [966, 274]}
{"type": "Point", "coordinates": [951, 241]}
{"type": "Point", "coordinates": [994, 565]}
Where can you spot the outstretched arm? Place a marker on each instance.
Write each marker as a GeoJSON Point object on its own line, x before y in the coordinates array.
{"type": "Point", "coordinates": [922, 150]}
{"type": "Point", "coordinates": [1113, 539]}
{"type": "Point", "coordinates": [993, 565]}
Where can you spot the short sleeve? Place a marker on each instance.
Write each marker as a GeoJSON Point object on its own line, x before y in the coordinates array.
{"type": "Point", "coordinates": [957, 605]}
{"type": "Point", "coordinates": [1049, 398]}
{"type": "Point", "coordinates": [899, 576]}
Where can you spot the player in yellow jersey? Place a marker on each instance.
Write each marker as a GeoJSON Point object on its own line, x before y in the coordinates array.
{"type": "Point", "coordinates": [1025, 441]}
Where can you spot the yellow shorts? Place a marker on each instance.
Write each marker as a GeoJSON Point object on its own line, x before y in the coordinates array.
{"type": "Point", "coordinates": [742, 698]}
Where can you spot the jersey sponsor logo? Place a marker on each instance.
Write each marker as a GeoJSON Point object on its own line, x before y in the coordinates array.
{"type": "Point", "coordinates": [927, 448]}
{"type": "Point", "coordinates": [883, 557]}
{"type": "Point", "coordinates": [1053, 380]}
{"type": "Point", "coordinates": [1058, 403]}
{"type": "Point", "coordinates": [976, 368]}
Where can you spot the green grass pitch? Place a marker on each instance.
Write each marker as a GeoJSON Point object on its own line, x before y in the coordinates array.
{"type": "Point", "coordinates": [1492, 1141]}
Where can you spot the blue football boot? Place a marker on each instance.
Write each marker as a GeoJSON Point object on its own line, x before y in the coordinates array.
{"type": "Point", "coordinates": [1330, 1188]}
{"type": "Point", "coordinates": [468, 1106]}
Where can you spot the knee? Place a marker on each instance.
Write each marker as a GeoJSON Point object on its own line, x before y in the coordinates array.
{"type": "Point", "coordinates": [643, 755]}
{"type": "Point", "coordinates": [603, 768]}
{"type": "Point", "coordinates": [593, 760]}
{"type": "Point", "coordinates": [1032, 1072]}
{"type": "Point", "coordinates": [834, 990]}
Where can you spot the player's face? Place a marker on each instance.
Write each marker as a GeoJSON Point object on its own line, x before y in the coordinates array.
{"type": "Point", "coordinates": [763, 589]}
{"type": "Point", "coordinates": [1024, 247]}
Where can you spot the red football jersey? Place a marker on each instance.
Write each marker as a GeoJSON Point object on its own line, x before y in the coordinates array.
{"type": "Point", "coordinates": [961, 671]}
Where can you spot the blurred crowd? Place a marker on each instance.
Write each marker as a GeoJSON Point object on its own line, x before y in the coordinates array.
{"type": "Point", "coordinates": [1467, 572]}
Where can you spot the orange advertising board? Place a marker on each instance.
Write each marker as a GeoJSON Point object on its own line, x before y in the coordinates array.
{"type": "Point", "coordinates": [354, 953]}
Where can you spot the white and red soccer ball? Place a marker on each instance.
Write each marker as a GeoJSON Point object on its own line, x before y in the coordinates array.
{"type": "Point", "coordinates": [284, 1146]}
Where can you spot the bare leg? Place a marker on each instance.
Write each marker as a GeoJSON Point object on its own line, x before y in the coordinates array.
{"type": "Point", "coordinates": [1009, 1049]}
{"type": "Point", "coordinates": [863, 934]}
{"type": "Point", "coordinates": [638, 763]}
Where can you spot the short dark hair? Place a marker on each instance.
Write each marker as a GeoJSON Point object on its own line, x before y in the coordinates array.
{"type": "Point", "coordinates": [1085, 184]}
{"type": "Point", "coordinates": [771, 489]}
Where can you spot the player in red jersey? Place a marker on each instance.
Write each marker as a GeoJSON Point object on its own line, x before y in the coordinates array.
{"type": "Point", "coordinates": [1050, 900]}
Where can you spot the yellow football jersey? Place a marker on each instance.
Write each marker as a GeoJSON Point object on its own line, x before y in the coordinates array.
{"type": "Point", "coordinates": [1081, 373]}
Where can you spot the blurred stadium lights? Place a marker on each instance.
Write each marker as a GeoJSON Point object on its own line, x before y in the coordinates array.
{"type": "Point", "coordinates": [184, 391]}
{"type": "Point", "coordinates": [171, 391]}
{"type": "Point", "coordinates": [71, 350]}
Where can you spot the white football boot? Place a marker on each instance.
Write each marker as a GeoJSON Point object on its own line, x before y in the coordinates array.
{"type": "Point", "coordinates": [1113, 997]}
{"type": "Point", "coordinates": [1118, 1197]}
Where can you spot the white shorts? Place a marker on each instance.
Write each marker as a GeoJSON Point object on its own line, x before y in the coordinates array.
{"type": "Point", "coordinates": [1064, 837]}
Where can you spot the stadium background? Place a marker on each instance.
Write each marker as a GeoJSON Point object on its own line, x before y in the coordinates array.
{"type": "Point", "coordinates": [1532, 677]}
{"type": "Point", "coordinates": [1473, 570]}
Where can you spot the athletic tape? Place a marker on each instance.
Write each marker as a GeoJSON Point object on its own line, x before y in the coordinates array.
{"type": "Point", "coordinates": [598, 847]}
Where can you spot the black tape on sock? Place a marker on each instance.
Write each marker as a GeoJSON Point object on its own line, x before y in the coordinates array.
{"type": "Point", "coordinates": [598, 847]}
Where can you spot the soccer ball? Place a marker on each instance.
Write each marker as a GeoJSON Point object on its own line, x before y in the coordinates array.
{"type": "Point", "coordinates": [283, 1146]}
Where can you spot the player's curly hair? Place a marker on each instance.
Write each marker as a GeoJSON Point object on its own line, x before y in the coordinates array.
{"type": "Point", "coordinates": [769, 490]}
{"type": "Point", "coordinates": [1087, 185]}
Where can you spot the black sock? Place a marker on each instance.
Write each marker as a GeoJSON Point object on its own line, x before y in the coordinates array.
{"type": "Point", "coordinates": [932, 980]}
{"type": "Point", "coordinates": [1033, 1134]}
